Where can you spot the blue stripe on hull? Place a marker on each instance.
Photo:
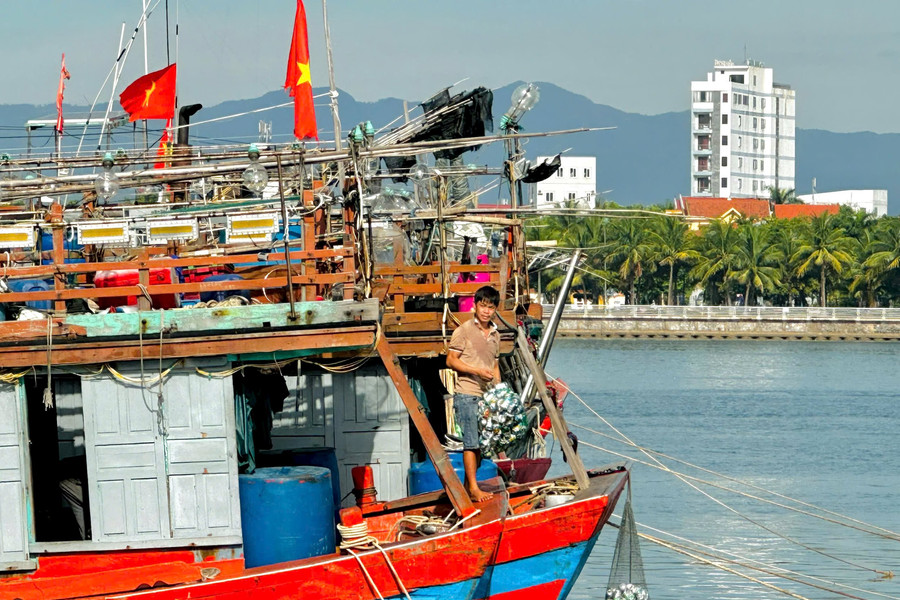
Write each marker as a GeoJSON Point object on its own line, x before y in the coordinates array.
{"type": "Point", "coordinates": [564, 563]}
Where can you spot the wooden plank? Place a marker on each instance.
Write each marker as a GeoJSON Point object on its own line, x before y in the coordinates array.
{"type": "Point", "coordinates": [305, 342]}
{"type": "Point", "coordinates": [454, 487]}
{"type": "Point", "coordinates": [166, 262]}
{"type": "Point", "coordinates": [435, 269]}
{"type": "Point", "coordinates": [557, 421]}
{"type": "Point", "coordinates": [178, 288]}
{"type": "Point", "coordinates": [422, 289]}
{"type": "Point", "coordinates": [414, 322]}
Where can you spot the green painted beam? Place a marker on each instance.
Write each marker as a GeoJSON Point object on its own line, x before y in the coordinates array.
{"type": "Point", "coordinates": [230, 319]}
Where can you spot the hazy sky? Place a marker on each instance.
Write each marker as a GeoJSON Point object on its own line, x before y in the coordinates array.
{"type": "Point", "coordinates": [635, 55]}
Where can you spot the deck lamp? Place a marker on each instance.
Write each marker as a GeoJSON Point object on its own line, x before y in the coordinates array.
{"type": "Point", "coordinates": [251, 227]}
{"type": "Point", "coordinates": [107, 183]}
{"type": "Point", "coordinates": [103, 232]}
{"type": "Point", "coordinates": [163, 231]}
{"type": "Point", "coordinates": [523, 99]}
{"type": "Point", "coordinates": [17, 237]}
{"type": "Point", "coordinates": [255, 177]}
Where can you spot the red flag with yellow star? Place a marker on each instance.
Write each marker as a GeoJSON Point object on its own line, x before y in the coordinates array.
{"type": "Point", "coordinates": [297, 82]}
{"type": "Point", "coordinates": [151, 96]}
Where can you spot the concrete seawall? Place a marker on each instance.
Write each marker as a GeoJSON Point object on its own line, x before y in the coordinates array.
{"type": "Point", "coordinates": [736, 322]}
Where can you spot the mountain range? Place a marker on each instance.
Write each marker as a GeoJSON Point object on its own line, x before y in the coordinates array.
{"type": "Point", "coordinates": [645, 159]}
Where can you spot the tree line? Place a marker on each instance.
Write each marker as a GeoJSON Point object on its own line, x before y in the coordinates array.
{"type": "Point", "coordinates": [847, 259]}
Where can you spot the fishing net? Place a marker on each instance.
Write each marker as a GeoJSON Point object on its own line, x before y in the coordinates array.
{"type": "Point", "coordinates": [626, 577]}
{"type": "Point", "coordinates": [502, 419]}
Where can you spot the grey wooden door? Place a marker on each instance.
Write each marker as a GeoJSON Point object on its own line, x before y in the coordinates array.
{"type": "Point", "coordinates": [371, 428]}
{"type": "Point", "coordinates": [14, 502]}
{"type": "Point", "coordinates": [162, 468]}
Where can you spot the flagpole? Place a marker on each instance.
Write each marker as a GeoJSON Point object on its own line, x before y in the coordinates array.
{"type": "Point", "coordinates": [334, 107]}
{"type": "Point", "coordinates": [146, 70]}
{"type": "Point", "coordinates": [120, 62]}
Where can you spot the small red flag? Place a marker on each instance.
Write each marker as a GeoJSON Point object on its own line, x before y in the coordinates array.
{"type": "Point", "coordinates": [63, 75]}
{"type": "Point", "coordinates": [297, 81]}
{"type": "Point", "coordinates": [151, 96]}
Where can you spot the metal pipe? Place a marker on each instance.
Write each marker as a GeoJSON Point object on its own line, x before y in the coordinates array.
{"type": "Point", "coordinates": [543, 351]}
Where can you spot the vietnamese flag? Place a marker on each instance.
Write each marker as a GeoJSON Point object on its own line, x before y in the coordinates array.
{"type": "Point", "coordinates": [297, 82]}
{"type": "Point", "coordinates": [151, 96]}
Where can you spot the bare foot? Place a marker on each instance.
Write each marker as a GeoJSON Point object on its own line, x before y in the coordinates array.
{"type": "Point", "coordinates": [479, 495]}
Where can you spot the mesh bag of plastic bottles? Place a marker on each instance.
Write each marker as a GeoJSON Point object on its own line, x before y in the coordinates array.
{"type": "Point", "coordinates": [502, 419]}
{"type": "Point", "coordinates": [626, 577]}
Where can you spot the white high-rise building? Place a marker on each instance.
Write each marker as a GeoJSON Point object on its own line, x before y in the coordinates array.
{"type": "Point", "coordinates": [575, 181]}
{"type": "Point", "coordinates": [742, 132]}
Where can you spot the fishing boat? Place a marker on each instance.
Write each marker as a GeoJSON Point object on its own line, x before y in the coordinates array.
{"type": "Point", "coordinates": [217, 371]}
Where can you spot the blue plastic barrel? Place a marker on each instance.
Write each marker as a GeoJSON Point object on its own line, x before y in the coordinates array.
{"type": "Point", "coordinates": [423, 478]}
{"type": "Point", "coordinates": [318, 457]}
{"type": "Point", "coordinates": [287, 513]}
{"type": "Point", "coordinates": [222, 294]}
{"type": "Point", "coordinates": [32, 285]}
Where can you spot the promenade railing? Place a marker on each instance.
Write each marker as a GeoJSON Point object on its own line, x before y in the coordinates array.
{"type": "Point", "coordinates": [736, 313]}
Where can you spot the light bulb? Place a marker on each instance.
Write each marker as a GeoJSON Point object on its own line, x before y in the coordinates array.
{"type": "Point", "coordinates": [420, 172]}
{"type": "Point", "coordinates": [106, 183]}
{"type": "Point", "coordinates": [255, 177]}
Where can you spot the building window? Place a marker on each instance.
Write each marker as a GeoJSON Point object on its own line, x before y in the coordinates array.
{"type": "Point", "coordinates": [762, 144]}
{"type": "Point", "coordinates": [703, 142]}
{"type": "Point", "coordinates": [740, 183]}
{"type": "Point", "coordinates": [754, 83]}
{"type": "Point", "coordinates": [703, 163]}
{"type": "Point", "coordinates": [724, 182]}
{"type": "Point", "coordinates": [724, 140]}
{"type": "Point", "coordinates": [762, 103]}
{"type": "Point", "coordinates": [724, 97]}
{"type": "Point", "coordinates": [587, 173]}
{"type": "Point", "coordinates": [746, 99]}
{"type": "Point", "coordinates": [755, 122]}
{"type": "Point", "coordinates": [755, 185]}
{"type": "Point", "coordinates": [740, 141]}
{"type": "Point", "coordinates": [755, 144]}
{"type": "Point", "coordinates": [724, 161]}
{"type": "Point", "coordinates": [762, 124]}
{"type": "Point", "coordinates": [724, 119]}
{"type": "Point", "coordinates": [549, 196]}
{"type": "Point", "coordinates": [762, 165]}
{"type": "Point", "coordinates": [703, 184]}
{"type": "Point", "coordinates": [739, 121]}
{"type": "Point", "coordinates": [754, 100]}
{"type": "Point", "coordinates": [572, 172]}
{"type": "Point", "coordinates": [755, 164]}
{"type": "Point", "coordinates": [559, 172]}
{"type": "Point", "coordinates": [571, 195]}
{"type": "Point", "coordinates": [740, 163]}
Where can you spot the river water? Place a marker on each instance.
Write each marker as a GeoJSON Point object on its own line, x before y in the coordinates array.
{"type": "Point", "coordinates": [813, 421]}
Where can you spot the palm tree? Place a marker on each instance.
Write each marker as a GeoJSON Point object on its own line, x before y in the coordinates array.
{"type": "Point", "coordinates": [631, 250]}
{"type": "Point", "coordinates": [782, 196]}
{"type": "Point", "coordinates": [883, 252]}
{"type": "Point", "coordinates": [671, 246]}
{"type": "Point", "coordinates": [786, 243]}
{"type": "Point", "coordinates": [824, 245]}
{"type": "Point", "coordinates": [754, 262]}
{"type": "Point", "coordinates": [717, 251]}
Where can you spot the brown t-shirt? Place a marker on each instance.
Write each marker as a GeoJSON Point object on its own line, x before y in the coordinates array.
{"type": "Point", "coordinates": [477, 350]}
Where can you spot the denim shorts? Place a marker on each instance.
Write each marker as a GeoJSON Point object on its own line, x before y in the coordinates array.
{"type": "Point", "coordinates": [465, 409]}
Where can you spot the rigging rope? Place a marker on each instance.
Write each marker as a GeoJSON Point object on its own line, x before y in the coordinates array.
{"type": "Point", "coordinates": [684, 478]}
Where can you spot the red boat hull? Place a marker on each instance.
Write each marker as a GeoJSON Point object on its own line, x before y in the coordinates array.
{"type": "Point", "coordinates": [533, 554]}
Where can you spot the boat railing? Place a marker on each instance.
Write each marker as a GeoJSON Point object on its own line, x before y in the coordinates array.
{"type": "Point", "coordinates": [72, 280]}
{"type": "Point", "coordinates": [400, 282]}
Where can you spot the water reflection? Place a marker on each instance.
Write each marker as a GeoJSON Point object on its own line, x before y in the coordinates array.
{"type": "Point", "coordinates": [814, 421]}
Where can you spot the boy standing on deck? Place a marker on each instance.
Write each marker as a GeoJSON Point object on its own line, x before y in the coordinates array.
{"type": "Point", "coordinates": [474, 355]}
